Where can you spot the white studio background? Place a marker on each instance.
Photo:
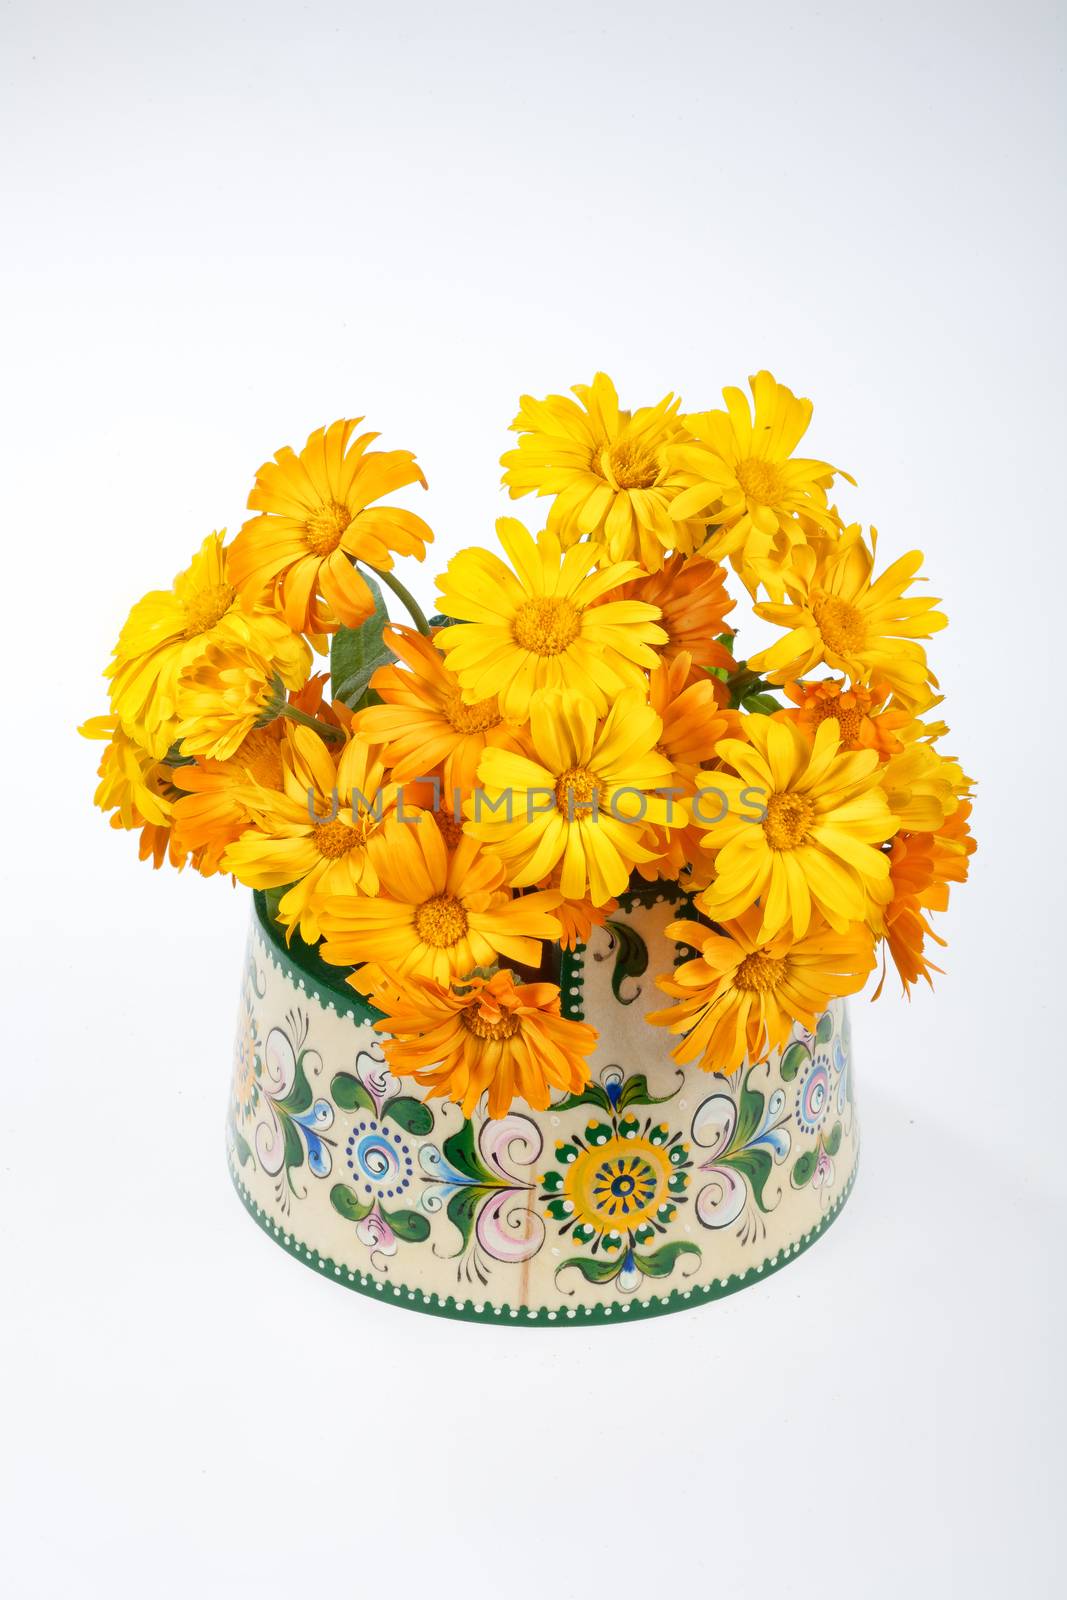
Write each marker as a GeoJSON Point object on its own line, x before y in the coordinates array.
{"type": "Point", "coordinates": [227, 224]}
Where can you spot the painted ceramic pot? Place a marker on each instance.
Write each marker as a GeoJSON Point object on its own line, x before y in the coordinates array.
{"type": "Point", "coordinates": [655, 1190]}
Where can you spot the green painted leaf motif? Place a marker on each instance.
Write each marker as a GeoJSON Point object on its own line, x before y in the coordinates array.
{"type": "Point", "coordinates": [658, 1263]}
{"type": "Point", "coordinates": [242, 1148]}
{"type": "Point", "coordinates": [803, 1167]}
{"type": "Point", "coordinates": [349, 1094]}
{"type": "Point", "coordinates": [750, 1105]}
{"type": "Point", "coordinates": [294, 1149]}
{"type": "Point", "coordinates": [357, 653]}
{"type": "Point", "coordinates": [631, 959]}
{"type": "Point", "coordinates": [635, 1093]}
{"type": "Point", "coordinates": [592, 1271]}
{"type": "Point", "coordinates": [347, 1203]}
{"type": "Point", "coordinates": [460, 1150]}
{"type": "Point", "coordinates": [408, 1225]}
{"type": "Point", "coordinates": [299, 1097]}
{"type": "Point", "coordinates": [592, 1095]}
{"type": "Point", "coordinates": [462, 1210]}
{"type": "Point", "coordinates": [793, 1058]}
{"type": "Point", "coordinates": [410, 1114]}
{"type": "Point", "coordinates": [833, 1143]}
{"type": "Point", "coordinates": [824, 1028]}
{"type": "Point", "coordinates": [756, 1166]}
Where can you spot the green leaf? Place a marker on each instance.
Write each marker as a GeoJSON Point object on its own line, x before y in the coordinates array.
{"type": "Point", "coordinates": [357, 653]}
{"type": "Point", "coordinates": [825, 1028]}
{"type": "Point", "coordinates": [803, 1167]}
{"type": "Point", "coordinates": [764, 705]}
{"type": "Point", "coordinates": [591, 1095]}
{"type": "Point", "coordinates": [347, 1203]}
{"type": "Point", "coordinates": [411, 1114]}
{"type": "Point", "coordinates": [658, 1263]}
{"type": "Point", "coordinates": [631, 959]}
{"type": "Point", "coordinates": [407, 1225]}
{"type": "Point", "coordinates": [349, 1094]}
{"type": "Point", "coordinates": [793, 1058]}
{"type": "Point", "coordinates": [833, 1143]}
{"type": "Point", "coordinates": [756, 1167]}
{"type": "Point", "coordinates": [591, 1271]}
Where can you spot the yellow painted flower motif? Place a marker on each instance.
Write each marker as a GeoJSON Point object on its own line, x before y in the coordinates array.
{"type": "Point", "coordinates": [544, 625]}
{"type": "Point", "coordinates": [868, 629]}
{"type": "Point", "coordinates": [606, 469]}
{"type": "Point", "coordinates": [579, 799]}
{"type": "Point", "coordinates": [170, 629]}
{"type": "Point", "coordinates": [739, 998]}
{"type": "Point", "coordinates": [438, 914]}
{"type": "Point", "coordinates": [488, 1035]}
{"type": "Point", "coordinates": [138, 791]}
{"type": "Point", "coordinates": [815, 849]}
{"type": "Point", "coordinates": [740, 474]}
{"type": "Point", "coordinates": [318, 516]}
{"type": "Point", "coordinates": [222, 697]}
{"type": "Point", "coordinates": [323, 832]}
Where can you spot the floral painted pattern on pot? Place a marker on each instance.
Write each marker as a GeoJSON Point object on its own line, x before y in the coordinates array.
{"type": "Point", "coordinates": [490, 1205]}
{"type": "Point", "coordinates": [819, 1064]}
{"type": "Point", "coordinates": [295, 1122]}
{"type": "Point", "coordinates": [380, 1155]}
{"type": "Point", "coordinates": [746, 1137]}
{"type": "Point", "coordinates": [619, 1185]}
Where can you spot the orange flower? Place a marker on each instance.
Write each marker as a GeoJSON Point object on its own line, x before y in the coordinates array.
{"type": "Point", "coordinates": [425, 724]}
{"type": "Point", "coordinates": [864, 722]}
{"type": "Point", "coordinates": [690, 592]}
{"type": "Point", "coordinates": [921, 868]}
{"type": "Point", "coordinates": [487, 1034]}
{"type": "Point", "coordinates": [317, 517]}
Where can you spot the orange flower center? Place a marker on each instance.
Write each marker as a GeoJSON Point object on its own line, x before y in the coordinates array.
{"type": "Point", "coordinates": [848, 718]}
{"type": "Point", "coordinates": [335, 839]}
{"type": "Point", "coordinates": [575, 789]}
{"type": "Point", "coordinates": [762, 481]}
{"type": "Point", "coordinates": [546, 625]}
{"type": "Point", "coordinates": [441, 921]}
{"type": "Point", "coordinates": [788, 820]}
{"type": "Point", "coordinates": [206, 608]}
{"type": "Point", "coordinates": [841, 624]}
{"type": "Point", "coordinates": [472, 719]}
{"type": "Point", "coordinates": [633, 465]}
{"type": "Point", "coordinates": [759, 972]}
{"type": "Point", "coordinates": [505, 1026]}
{"type": "Point", "coordinates": [261, 757]}
{"type": "Point", "coordinates": [451, 830]}
{"type": "Point", "coordinates": [325, 527]}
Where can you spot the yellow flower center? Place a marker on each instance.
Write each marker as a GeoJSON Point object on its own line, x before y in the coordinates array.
{"type": "Point", "coordinates": [575, 789]}
{"type": "Point", "coordinates": [762, 481]}
{"type": "Point", "coordinates": [841, 624]}
{"type": "Point", "coordinates": [788, 820]}
{"type": "Point", "coordinates": [261, 757]}
{"type": "Point", "coordinates": [759, 972]}
{"type": "Point", "coordinates": [441, 921]}
{"type": "Point", "coordinates": [633, 465]}
{"type": "Point", "coordinates": [482, 1027]}
{"type": "Point", "coordinates": [323, 530]}
{"type": "Point", "coordinates": [206, 608]}
{"type": "Point", "coordinates": [335, 839]}
{"type": "Point", "coordinates": [546, 626]}
{"type": "Point", "coordinates": [472, 719]}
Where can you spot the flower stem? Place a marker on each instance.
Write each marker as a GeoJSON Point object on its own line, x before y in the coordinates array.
{"type": "Point", "coordinates": [418, 616]}
{"type": "Point", "coordinates": [326, 729]}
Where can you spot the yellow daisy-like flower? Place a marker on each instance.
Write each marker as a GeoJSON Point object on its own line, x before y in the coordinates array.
{"type": "Point", "coordinates": [837, 615]}
{"type": "Point", "coordinates": [815, 848]}
{"type": "Point", "coordinates": [170, 629]}
{"type": "Point", "coordinates": [323, 833]}
{"type": "Point", "coordinates": [489, 1034]}
{"type": "Point", "coordinates": [425, 725]}
{"type": "Point", "coordinates": [138, 791]}
{"type": "Point", "coordinates": [222, 696]}
{"type": "Point", "coordinates": [318, 516]}
{"type": "Point", "coordinates": [740, 474]}
{"type": "Point", "coordinates": [438, 914]}
{"type": "Point", "coordinates": [742, 994]}
{"type": "Point", "coordinates": [606, 468]}
{"type": "Point", "coordinates": [580, 798]}
{"type": "Point", "coordinates": [544, 626]}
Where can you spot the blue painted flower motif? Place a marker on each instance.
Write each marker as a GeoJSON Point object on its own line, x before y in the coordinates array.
{"type": "Point", "coordinates": [296, 1125]}
{"type": "Point", "coordinates": [379, 1196]}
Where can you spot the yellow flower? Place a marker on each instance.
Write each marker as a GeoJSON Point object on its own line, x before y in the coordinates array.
{"type": "Point", "coordinates": [547, 628]}
{"type": "Point", "coordinates": [425, 724]}
{"type": "Point", "coordinates": [222, 696]}
{"type": "Point", "coordinates": [742, 994]}
{"type": "Point", "coordinates": [170, 629]}
{"type": "Point", "coordinates": [922, 786]}
{"type": "Point", "coordinates": [323, 833]}
{"type": "Point", "coordinates": [606, 469]}
{"type": "Point", "coordinates": [438, 914]}
{"type": "Point", "coordinates": [837, 615]}
{"type": "Point", "coordinates": [579, 798]}
{"type": "Point", "coordinates": [138, 791]}
{"type": "Point", "coordinates": [741, 475]}
{"type": "Point", "coordinates": [815, 849]}
{"type": "Point", "coordinates": [487, 1034]}
{"type": "Point", "coordinates": [317, 516]}
{"type": "Point", "coordinates": [212, 810]}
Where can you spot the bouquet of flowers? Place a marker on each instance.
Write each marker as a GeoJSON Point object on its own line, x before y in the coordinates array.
{"type": "Point", "coordinates": [458, 799]}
